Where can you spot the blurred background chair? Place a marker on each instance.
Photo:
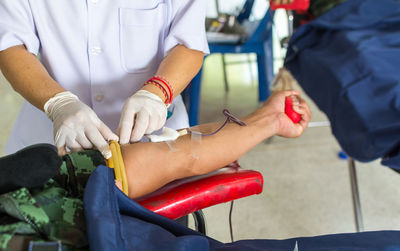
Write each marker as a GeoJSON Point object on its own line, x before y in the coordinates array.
{"type": "Point", "coordinates": [257, 40]}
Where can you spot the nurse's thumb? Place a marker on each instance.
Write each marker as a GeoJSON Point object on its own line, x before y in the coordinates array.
{"type": "Point", "coordinates": [107, 133]}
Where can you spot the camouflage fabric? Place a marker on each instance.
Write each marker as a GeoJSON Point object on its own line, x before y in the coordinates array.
{"type": "Point", "coordinates": [76, 169]}
{"type": "Point", "coordinates": [319, 7]}
{"type": "Point", "coordinates": [54, 211]}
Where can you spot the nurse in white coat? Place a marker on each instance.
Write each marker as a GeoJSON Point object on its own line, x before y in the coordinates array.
{"type": "Point", "coordinates": [94, 57]}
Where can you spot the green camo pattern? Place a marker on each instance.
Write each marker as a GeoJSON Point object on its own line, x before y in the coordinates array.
{"type": "Point", "coordinates": [54, 211]}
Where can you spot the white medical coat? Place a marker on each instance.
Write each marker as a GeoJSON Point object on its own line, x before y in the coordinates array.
{"type": "Point", "coordinates": [101, 50]}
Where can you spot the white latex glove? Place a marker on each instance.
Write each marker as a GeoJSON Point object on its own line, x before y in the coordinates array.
{"type": "Point", "coordinates": [76, 125]}
{"type": "Point", "coordinates": [143, 113]}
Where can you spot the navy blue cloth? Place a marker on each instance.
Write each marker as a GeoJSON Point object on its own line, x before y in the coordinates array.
{"type": "Point", "coordinates": [348, 62]}
{"type": "Point", "coordinates": [114, 222]}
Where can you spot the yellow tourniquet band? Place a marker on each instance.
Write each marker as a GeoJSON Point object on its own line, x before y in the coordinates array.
{"type": "Point", "coordinates": [117, 163]}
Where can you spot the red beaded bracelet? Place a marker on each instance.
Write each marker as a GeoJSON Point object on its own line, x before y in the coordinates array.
{"type": "Point", "coordinates": [164, 91]}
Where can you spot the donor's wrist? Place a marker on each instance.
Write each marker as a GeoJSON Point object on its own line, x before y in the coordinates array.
{"type": "Point", "coordinates": [265, 125]}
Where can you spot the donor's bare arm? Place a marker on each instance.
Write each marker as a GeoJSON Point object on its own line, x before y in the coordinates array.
{"type": "Point", "coordinates": [149, 166]}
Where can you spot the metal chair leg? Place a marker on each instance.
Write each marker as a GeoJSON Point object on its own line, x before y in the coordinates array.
{"type": "Point", "coordinates": [290, 14]}
{"type": "Point", "coordinates": [249, 63]}
{"type": "Point", "coordinates": [224, 72]}
{"type": "Point", "coordinates": [355, 195]}
{"type": "Point", "coordinates": [199, 221]}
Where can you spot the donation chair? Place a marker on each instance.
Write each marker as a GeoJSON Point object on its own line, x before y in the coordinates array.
{"type": "Point", "coordinates": [190, 195]}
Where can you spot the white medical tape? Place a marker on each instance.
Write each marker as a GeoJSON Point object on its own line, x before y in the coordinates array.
{"type": "Point", "coordinates": [196, 138]}
{"type": "Point", "coordinates": [172, 145]}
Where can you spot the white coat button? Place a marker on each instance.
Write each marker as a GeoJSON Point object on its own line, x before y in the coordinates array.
{"type": "Point", "coordinates": [95, 1]}
{"type": "Point", "coordinates": [99, 97]}
{"type": "Point", "coordinates": [96, 50]}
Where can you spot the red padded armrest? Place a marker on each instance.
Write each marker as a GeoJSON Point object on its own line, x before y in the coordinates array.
{"type": "Point", "coordinates": [298, 5]}
{"type": "Point", "coordinates": [186, 196]}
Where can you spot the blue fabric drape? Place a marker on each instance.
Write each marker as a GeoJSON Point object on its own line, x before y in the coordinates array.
{"type": "Point", "coordinates": [114, 222]}
{"type": "Point", "coordinates": [348, 62]}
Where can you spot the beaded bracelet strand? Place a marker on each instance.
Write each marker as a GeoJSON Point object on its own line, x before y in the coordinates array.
{"type": "Point", "coordinates": [162, 88]}
{"type": "Point", "coordinates": [167, 84]}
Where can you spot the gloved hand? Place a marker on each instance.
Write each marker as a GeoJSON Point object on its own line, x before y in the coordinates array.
{"type": "Point", "coordinates": [143, 113]}
{"type": "Point", "coordinates": [76, 125]}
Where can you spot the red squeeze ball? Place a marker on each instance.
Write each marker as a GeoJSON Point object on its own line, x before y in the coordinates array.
{"type": "Point", "coordinates": [294, 116]}
{"type": "Point", "coordinates": [297, 5]}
